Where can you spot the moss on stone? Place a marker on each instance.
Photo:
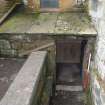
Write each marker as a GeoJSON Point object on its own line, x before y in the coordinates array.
{"type": "Point", "coordinates": [88, 99]}
{"type": "Point", "coordinates": [71, 23]}
{"type": "Point", "coordinates": [19, 22]}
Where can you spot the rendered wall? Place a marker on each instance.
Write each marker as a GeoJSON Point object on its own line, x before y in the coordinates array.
{"type": "Point", "coordinates": [66, 4]}
{"type": "Point", "coordinates": [97, 12]}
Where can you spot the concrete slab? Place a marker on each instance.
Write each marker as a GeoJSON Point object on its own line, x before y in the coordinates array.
{"type": "Point", "coordinates": [26, 82]}
{"type": "Point", "coordinates": [70, 23]}
{"type": "Point", "coordinates": [44, 24]}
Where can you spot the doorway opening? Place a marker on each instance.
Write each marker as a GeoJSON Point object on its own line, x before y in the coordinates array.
{"type": "Point", "coordinates": [49, 4]}
{"type": "Point", "coordinates": [69, 61]}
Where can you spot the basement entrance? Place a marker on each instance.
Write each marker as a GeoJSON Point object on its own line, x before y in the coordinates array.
{"type": "Point", "coordinates": [69, 58]}
{"type": "Point", "coordinates": [68, 62]}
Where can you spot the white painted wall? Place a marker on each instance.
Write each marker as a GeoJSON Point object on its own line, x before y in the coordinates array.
{"type": "Point", "coordinates": [97, 13]}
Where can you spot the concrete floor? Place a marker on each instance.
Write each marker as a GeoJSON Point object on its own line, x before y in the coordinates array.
{"type": "Point", "coordinates": [68, 98]}
{"type": "Point", "coordinates": [69, 89]}
{"type": "Point", "coordinates": [9, 67]}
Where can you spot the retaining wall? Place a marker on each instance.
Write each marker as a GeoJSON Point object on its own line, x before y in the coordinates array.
{"type": "Point", "coordinates": [97, 12]}
{"type": "Point", "coordinates": [28, 88]}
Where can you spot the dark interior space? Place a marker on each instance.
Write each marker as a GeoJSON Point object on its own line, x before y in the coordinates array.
{"type": "Point", "coordinates": [68, 74]}
{"type": "Point", "coordinates": [69, 59]}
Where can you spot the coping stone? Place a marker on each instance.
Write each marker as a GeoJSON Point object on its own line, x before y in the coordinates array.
{"type": "Point", "coordinates": [21, 90]}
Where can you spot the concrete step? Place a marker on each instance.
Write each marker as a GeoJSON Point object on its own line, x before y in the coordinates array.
{"type": "Point", "coordinates": [68, 98]}
{"type": "Point", "coordinates": [69, 88]}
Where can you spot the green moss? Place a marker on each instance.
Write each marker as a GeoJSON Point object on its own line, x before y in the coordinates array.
{"type": "Point", "coordinates": [95, 72]}
{"type": "Point", "coordinates": [88, 100]}
{"type": "Point", "coordinates": [24, 20]}
{"type": "Point", "coordinates": [86, 6]}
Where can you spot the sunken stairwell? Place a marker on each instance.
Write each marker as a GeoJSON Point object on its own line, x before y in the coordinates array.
{"type": "Point", "coordinates": [69, 89]}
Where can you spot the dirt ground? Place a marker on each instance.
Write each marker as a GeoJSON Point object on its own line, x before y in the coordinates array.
{"type": "Point", "coordinates": [9, 67]}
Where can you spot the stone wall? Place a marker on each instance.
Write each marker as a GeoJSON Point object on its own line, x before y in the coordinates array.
{"type": "Point", "coordinates": [28, 88]}
{"type": "Point", "coordinates": [18, 45]}
{"type": "Point", "coordinates": [97, 12]}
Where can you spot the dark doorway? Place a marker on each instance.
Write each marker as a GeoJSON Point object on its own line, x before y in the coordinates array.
{"type": "Point", "coordinates": [69, 57]}
{"type": "Point", "coordinates": [69, 64]}
{"type": "Point", "coordinates": [49, 3]}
